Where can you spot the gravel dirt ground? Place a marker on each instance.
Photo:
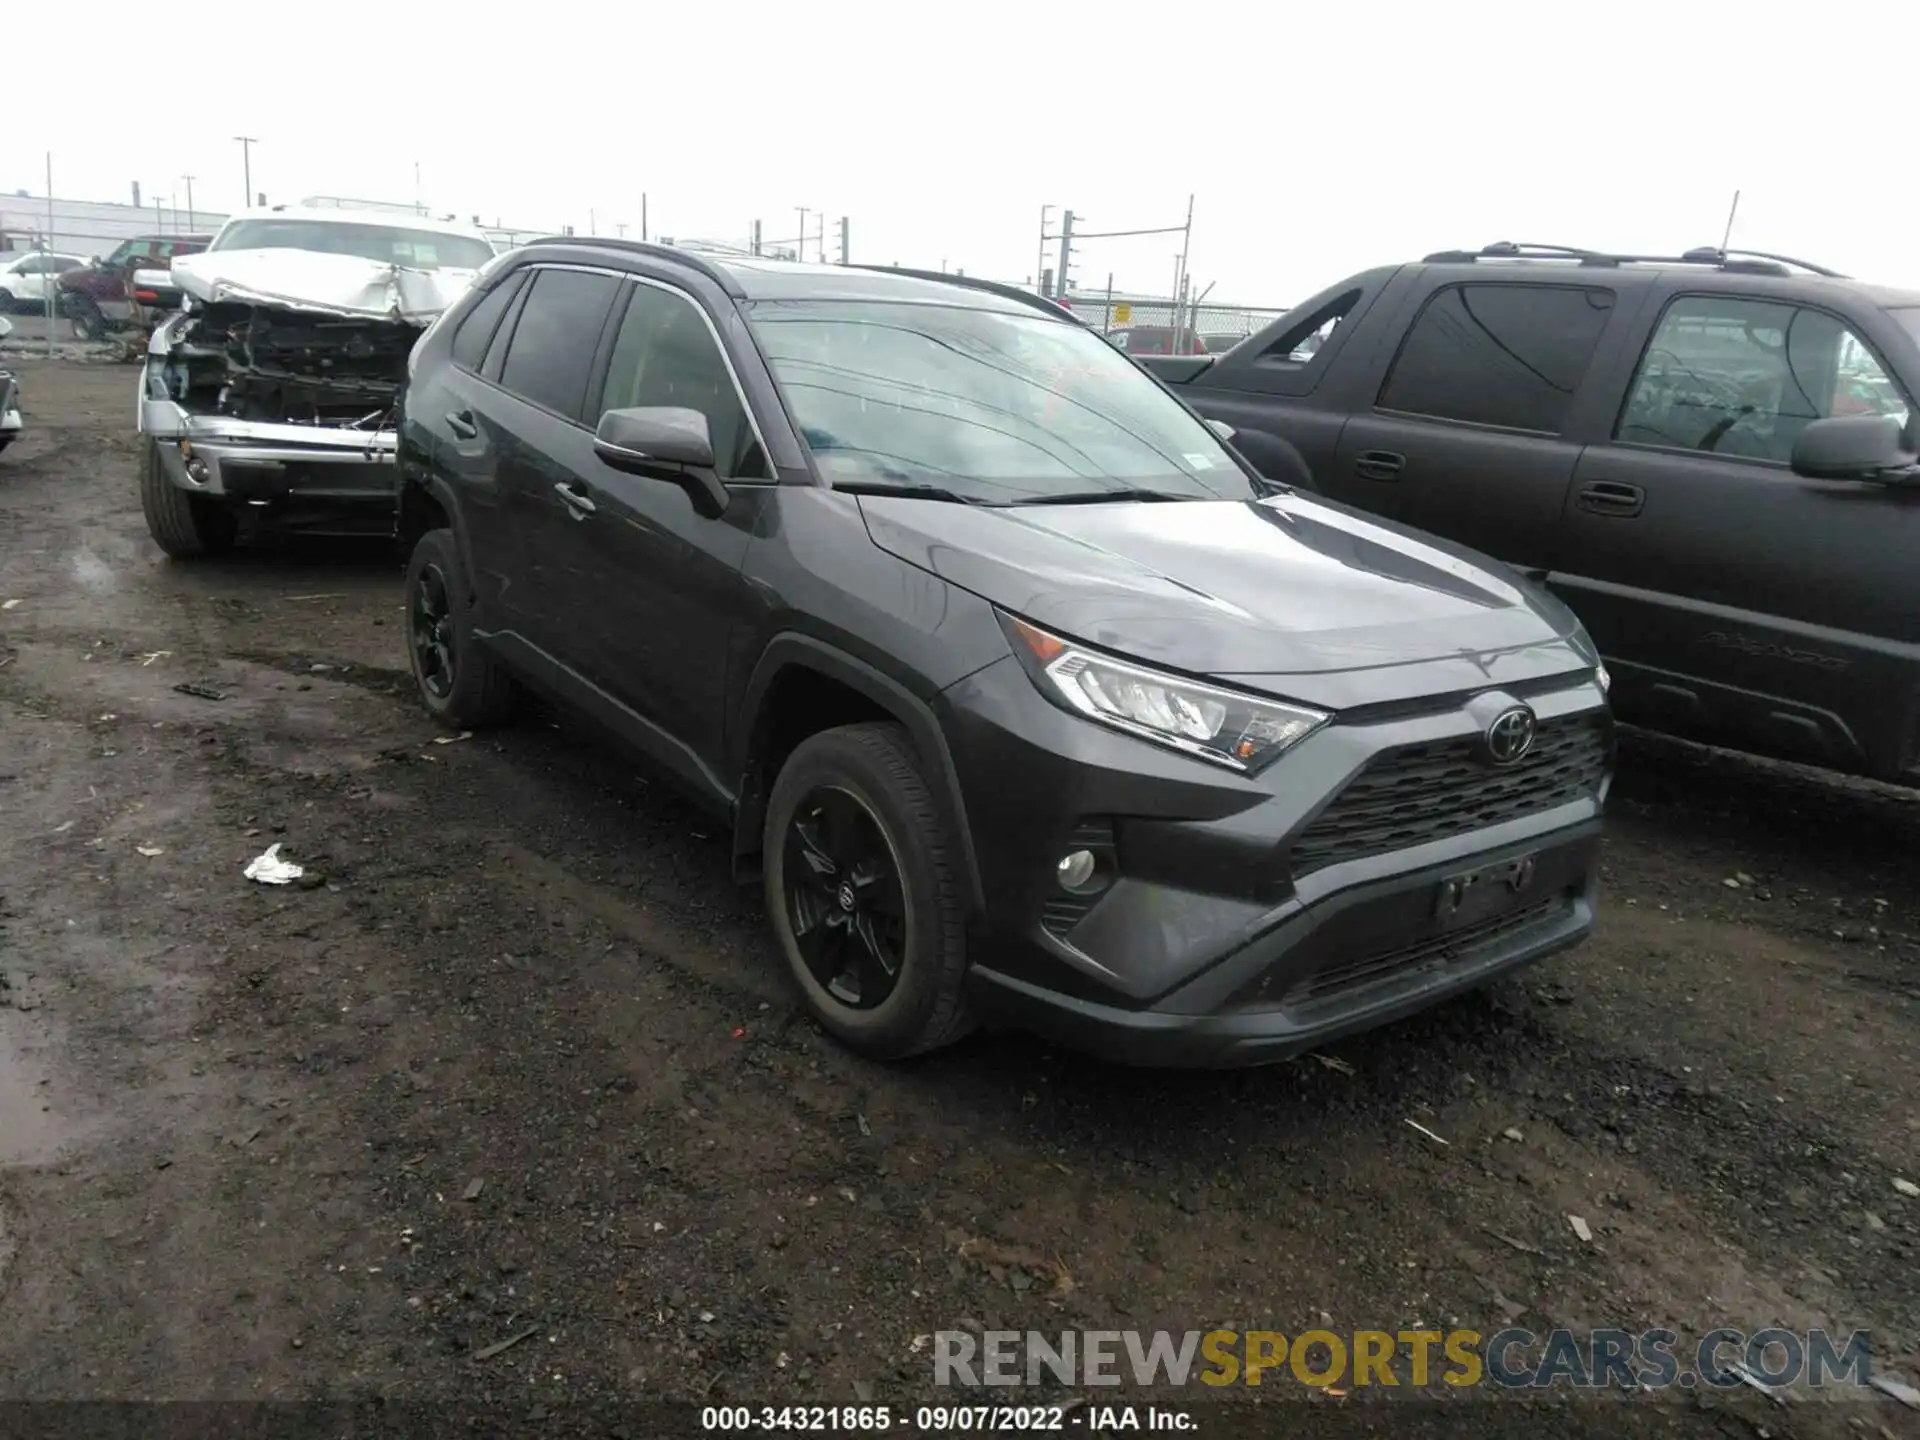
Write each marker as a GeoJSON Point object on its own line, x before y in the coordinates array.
{"type": "Point", "coordinates": [521, 1061]}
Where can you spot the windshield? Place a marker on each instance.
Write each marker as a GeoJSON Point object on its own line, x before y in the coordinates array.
{"type": "Point", "coordinates": [388, 244]}
{"type": "Point", "coordinates": [992, 407]}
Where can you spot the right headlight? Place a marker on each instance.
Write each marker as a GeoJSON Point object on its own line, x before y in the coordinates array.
{"type": "Point", "coordinates": [1242, 732]}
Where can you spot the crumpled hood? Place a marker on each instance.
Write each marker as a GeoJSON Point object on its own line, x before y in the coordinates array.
{"type": "Point", "coordinates": [1291, 595]}
{"type": "Point", "coordinates": [326, 284]}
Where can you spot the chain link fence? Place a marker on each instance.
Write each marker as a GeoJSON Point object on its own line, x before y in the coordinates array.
{"type": "Point", "coordinates": [1146, 324]}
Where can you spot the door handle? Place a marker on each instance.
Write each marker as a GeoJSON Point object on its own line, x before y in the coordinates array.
{"type": "Point", "coordinates": [461, 423]}
{"type": "Point", "coordinates": [1610, 497]}
{"type": "Point", "coordinates": [1379, 464]}
{"type": "Point", "coordinates": [577, 504]}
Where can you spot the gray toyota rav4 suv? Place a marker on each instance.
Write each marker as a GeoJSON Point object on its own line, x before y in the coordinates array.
{"type": "Point", "coordinates": [1026, 699]}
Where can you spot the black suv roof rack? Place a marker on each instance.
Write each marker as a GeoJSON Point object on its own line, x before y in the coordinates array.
{"type": "Point", "coordinates": [990, 287]}
{"type": "Point", "coordinates": [1747, 262]}
{"type": "Point", "coordinates": [691, 258]}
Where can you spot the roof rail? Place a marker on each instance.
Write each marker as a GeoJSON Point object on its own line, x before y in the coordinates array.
{"type": "Point", "coordinates": [990, 287]}
{"type": "Point", "coordinates": [689, 258]}
{"type": "Point", "coordinates": [1746, 262]}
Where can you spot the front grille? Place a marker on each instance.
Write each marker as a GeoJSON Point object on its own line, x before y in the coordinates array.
{"type": "Point", "coordinates": [1444, 788]}
{"type": "Point", "coordinates": [1437, 950]}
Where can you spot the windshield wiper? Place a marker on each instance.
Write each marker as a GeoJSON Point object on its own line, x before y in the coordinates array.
{"type": "Point", "coordinates": [912, 492]}
{"type": "Point", "coordinates": [1099, 497]}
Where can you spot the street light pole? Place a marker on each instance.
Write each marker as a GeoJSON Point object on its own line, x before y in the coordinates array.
{"type": "Point", "coordinates": [191, 227]}
{"type": "Point", "coordinates": [247, 142]}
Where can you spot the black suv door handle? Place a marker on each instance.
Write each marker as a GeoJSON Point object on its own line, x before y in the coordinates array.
{"type": "Point", "coordinates": [579, 505]}
{"type": "Point", "coordinates": [1610, 497]}
{"type": "Point", "coordinates": [461, 423]}
{"type": "Point", "coordinates": [1379, 465]}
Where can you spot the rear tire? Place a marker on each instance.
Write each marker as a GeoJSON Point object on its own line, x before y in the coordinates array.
{"type": "Point", "coordinates": [837, 922]}
{"type": "Point", "coordinates": [88, 322]}
{"type": "Point", "coordinates": [186, 526]}
{"type": "Point", "coordinates": [460, 681]}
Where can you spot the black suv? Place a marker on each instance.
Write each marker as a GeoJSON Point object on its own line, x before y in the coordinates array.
{"type": "Point", "coordinates": [1026, 697]}
{"type": "Point", "coordinates": [1703, 454]}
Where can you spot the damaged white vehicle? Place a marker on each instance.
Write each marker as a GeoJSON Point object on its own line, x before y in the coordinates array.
{"type": "Point", "coordinates": [273, 391]}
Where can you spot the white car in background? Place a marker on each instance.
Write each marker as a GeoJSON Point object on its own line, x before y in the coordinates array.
{"type": "Point", "coordinates": [24, 279]}
{"type": "Point", "coordinates": [272, 392]}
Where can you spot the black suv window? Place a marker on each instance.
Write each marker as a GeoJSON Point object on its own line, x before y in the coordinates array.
{"type": "Point", "coordinates": [1506, 355]}
{"type": "Point", "coordinates": [471, 339]}
{"type": "Point", "coordinates": [664, 354]}
{"type": "Point", "coordinates": [1743, 377]}
{"type": "Point", "coordinates": [553, 343]}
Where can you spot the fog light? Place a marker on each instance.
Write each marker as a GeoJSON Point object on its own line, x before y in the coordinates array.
{"type": "Point", "coordinates": [1076, 869]}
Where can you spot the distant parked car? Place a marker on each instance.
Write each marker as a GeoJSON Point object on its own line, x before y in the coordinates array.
{"type": "Point", "coordinates": [1155, 340]}
{"type": "Point", "coordinates": [97, 295]}
{"type": "Point", "coordinates": [24, 280]}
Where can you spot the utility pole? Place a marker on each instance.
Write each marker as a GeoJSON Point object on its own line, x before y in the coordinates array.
{"type": "Point", "coordinates": [754, 244]}
{"type": "Point", "coordinates": [1040, 267]}
{"type": "Point", "coordinates": [1060, 280]}
{"type": "Point", "coordinates": [191, 227]}
{"type": "Point", "coordinates": [247, 142]}
{"type": "Point", "coordinates": [843, 240]}
{"type": "Point", "coordinates": [1180, 281]}
{"type": "Point", "coordinates": [643, 215]}
{"type": "Point", "coordinates": [801, 250]}
{"type": "Point", "coordinates": [593, 221]}
{"type": "Point", "coordinates": [621, 228]}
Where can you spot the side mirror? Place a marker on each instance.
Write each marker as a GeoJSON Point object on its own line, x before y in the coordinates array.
{"type": "Point", "coordinates": [1221, 428]}
{"type": "Point", "coordinates": [1851, 447]}
{"type": "Point", "coordinates": [664, 442]}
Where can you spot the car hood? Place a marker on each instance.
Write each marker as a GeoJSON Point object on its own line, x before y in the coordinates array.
{"type": "Point", "coordinates": [1290, 595]}
{"type": "Point", "coordinates": [325, 284]}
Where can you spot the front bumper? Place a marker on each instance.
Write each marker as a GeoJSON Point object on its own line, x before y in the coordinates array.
{"type": "Point", "coordinates": [1251, 918]}
{"type": "Point", "coordinates": [262, 462]}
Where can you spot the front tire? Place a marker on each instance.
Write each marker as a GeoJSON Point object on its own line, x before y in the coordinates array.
{"type": "Point", "coordinates": [185, 525]}
{"type": "Point", "coordinates": [460, 681]}
{"type": "Point", "coordinates": [863, 893]}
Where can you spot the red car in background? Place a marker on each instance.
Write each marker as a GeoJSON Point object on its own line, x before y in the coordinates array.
{"type": "Point", "coordinates": [98, 297]}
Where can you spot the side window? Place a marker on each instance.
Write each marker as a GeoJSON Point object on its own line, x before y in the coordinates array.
{"type": "Point", "coordinates": [664, 354]}
{"type": "Point", "coordinates": [551, 352]}
{"type": "Point", "coordinates": [470, 341]}
{"type": "Point", "coordinates": [1300, 344]}
{"type": "Point", "coordinates": [1739, 377]}
{"type": "Point", "coordinates": [1494, 354]}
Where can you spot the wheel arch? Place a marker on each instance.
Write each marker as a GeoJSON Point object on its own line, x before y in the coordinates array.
{"type": "Point", "coordinates": [801, 686]}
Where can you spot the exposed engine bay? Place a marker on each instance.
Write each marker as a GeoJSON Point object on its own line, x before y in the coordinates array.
{"type": "Point", "coordinates": [268, 363]}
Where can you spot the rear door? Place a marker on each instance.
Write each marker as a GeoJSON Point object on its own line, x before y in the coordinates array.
{"type": "Point", "coordinates": [536, 419]}
{"type": "Point", "coordinates": [1469, 434]}
{"type": "Point", "coordinates": [1728, 593]}
{"type": "Point", "coordinates": [459, 414]}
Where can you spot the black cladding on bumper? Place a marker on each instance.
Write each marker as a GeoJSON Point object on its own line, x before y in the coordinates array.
{"type": "Point", "coordinates": [1254, 917]}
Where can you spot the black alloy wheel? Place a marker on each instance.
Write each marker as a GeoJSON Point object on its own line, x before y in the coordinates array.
{"type": "Point", "coordinates": [430, 628]}
{"type": "Point", "coordinates": [845, 901]}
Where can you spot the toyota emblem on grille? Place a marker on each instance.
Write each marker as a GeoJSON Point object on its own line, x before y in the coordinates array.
{"type": "Point", "coordinates": [1510, 735]}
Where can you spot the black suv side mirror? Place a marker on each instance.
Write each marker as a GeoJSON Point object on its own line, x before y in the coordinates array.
{"type": "Point", "coordinates": [1853, 447]}
{"type": "Point", "coordinates": [664, 442]}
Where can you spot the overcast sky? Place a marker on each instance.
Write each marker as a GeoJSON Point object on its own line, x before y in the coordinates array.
{"type": "Point", "coordinates": [1315, 140]}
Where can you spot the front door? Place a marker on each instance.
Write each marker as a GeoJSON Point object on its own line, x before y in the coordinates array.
{"type": "Point", "coordinates": [1728, 593]}
{"type": "Point", "coordinates": [1465, 437]}
{"type": "Point", "coordinates": [666, 580]}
